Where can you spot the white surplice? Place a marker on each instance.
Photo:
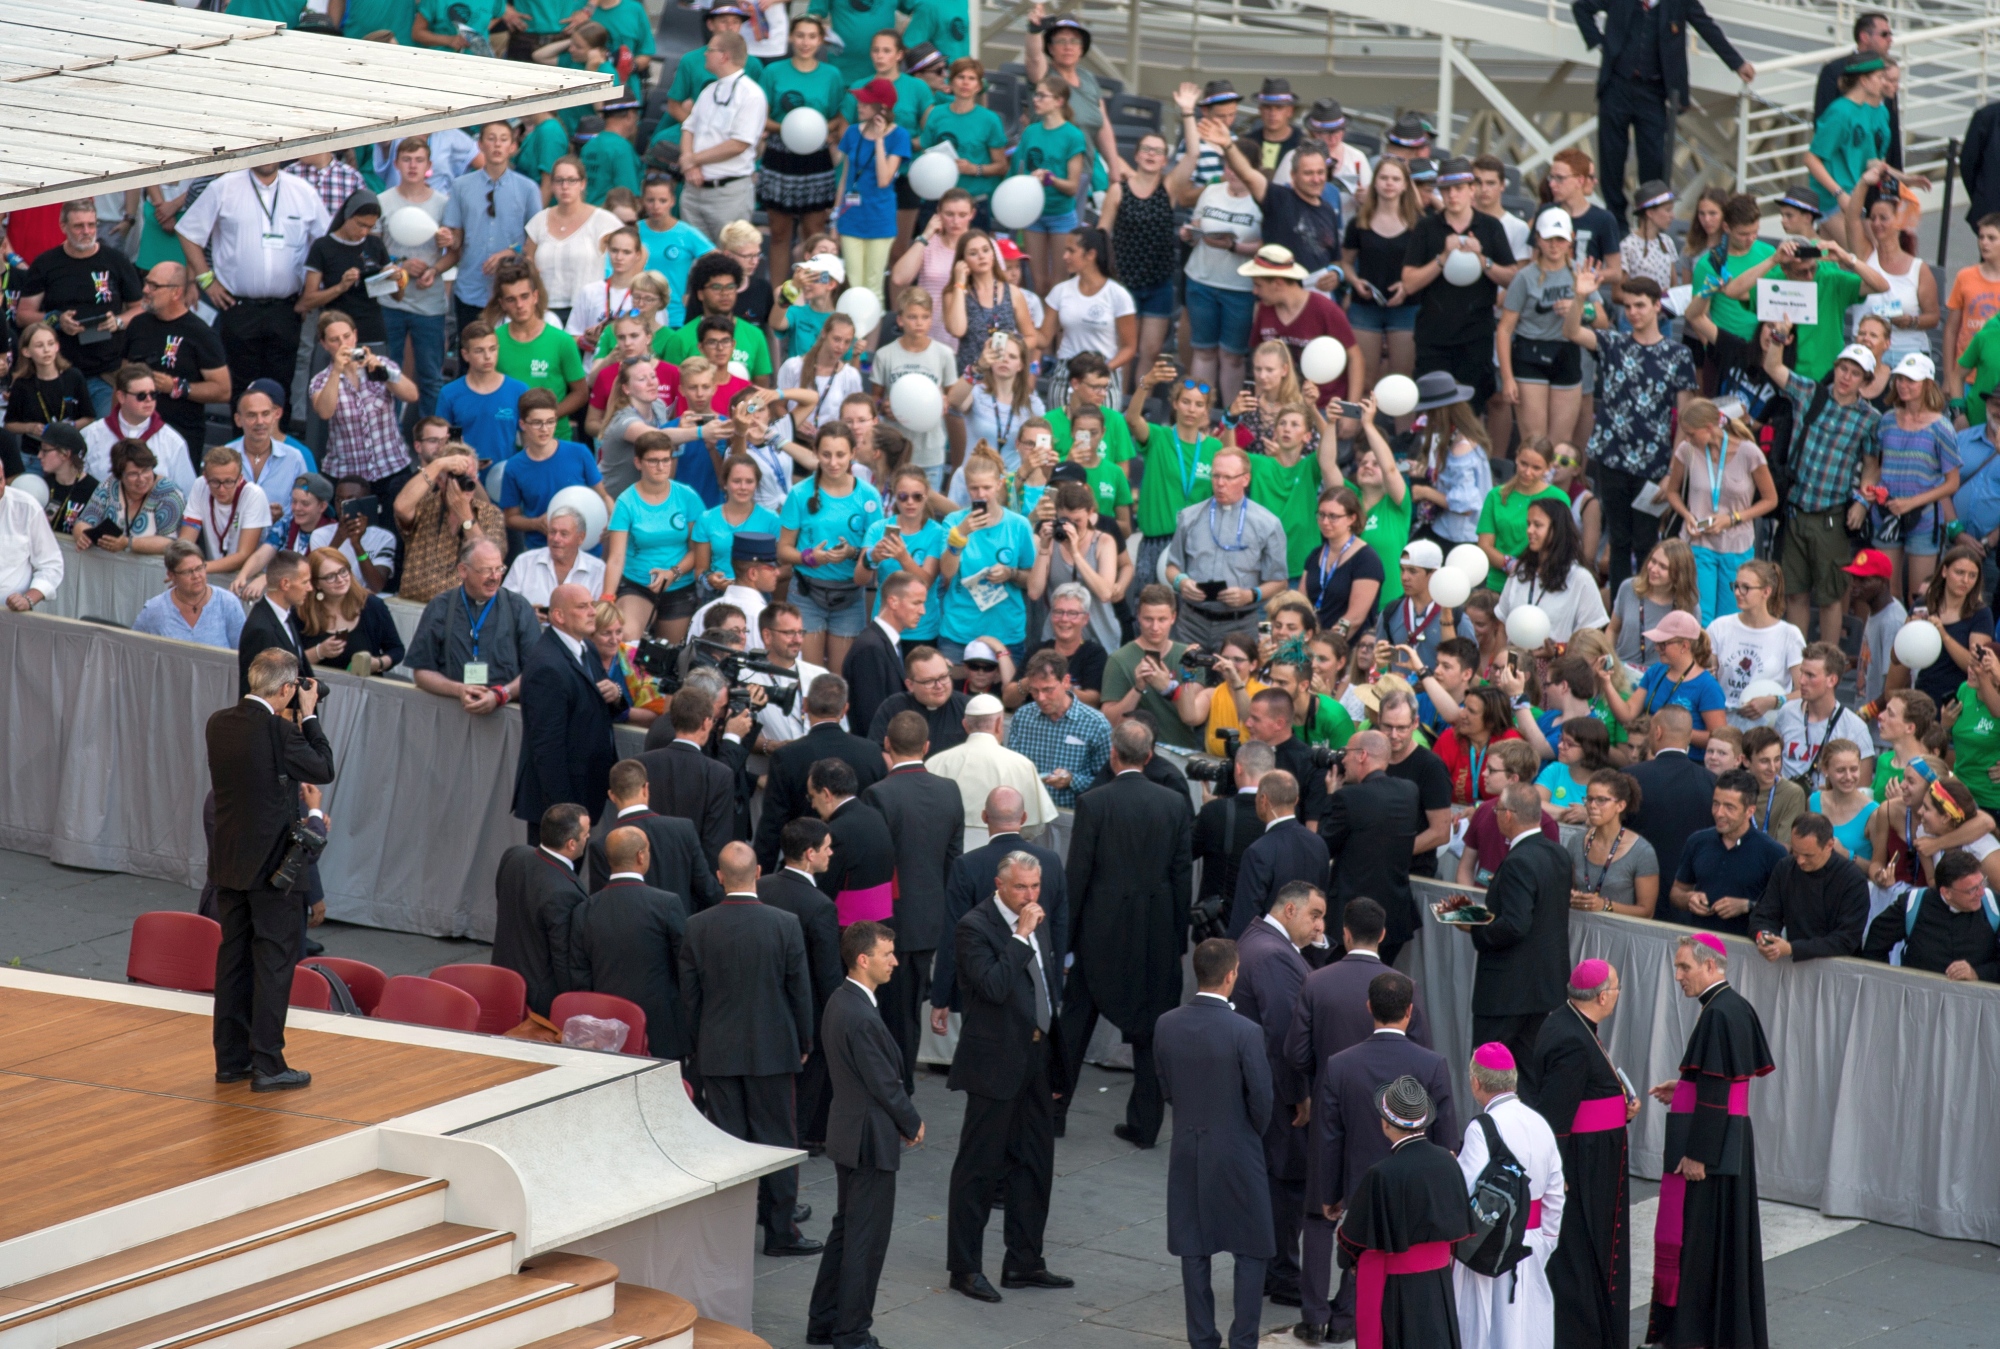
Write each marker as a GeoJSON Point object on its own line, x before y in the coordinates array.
{"type": "Point", "coordinates": [1499, 1313]}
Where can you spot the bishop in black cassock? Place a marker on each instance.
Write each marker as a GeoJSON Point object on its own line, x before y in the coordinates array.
{"type": "Point", "coordinates": [1708, 1253]}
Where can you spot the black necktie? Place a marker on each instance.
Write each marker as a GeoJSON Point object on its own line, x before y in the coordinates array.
{"type": "Point", "coordinates": [298, 632]}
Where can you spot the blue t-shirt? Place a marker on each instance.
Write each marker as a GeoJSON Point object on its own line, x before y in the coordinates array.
{"type": "Point", "coordinates": [485, 421]}
{"type": "Point", "coordinates": [1564, 790]}
{"type": "Point", "coordinates": [695, 469]}
{"type": "Point", "coordinates": [1697, 694]}
{"type": "Point", "coordinates": [869, 211]}
{"type": "Point", "coordinates": [839, 519]}
{"type": "Point", "coordinates": [531, 484]}
{"type": "Point", "coordinates": [924, 545]}
{"type": "Point", "coordinates": [1728, 873]}
{"type": "Point", "coordinates": [656, 536]}
{"type": "Point", "coordinates": [1011, 543]}
{"type": "Point", "coordinates": [715, 530]}
{"type": "Point", "coordinates": [671, 254]}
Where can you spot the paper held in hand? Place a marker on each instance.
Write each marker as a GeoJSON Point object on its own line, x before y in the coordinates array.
{"type": "Point", "coordinates": [1793, 302]}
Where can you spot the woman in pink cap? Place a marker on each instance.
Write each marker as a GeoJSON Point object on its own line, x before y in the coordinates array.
{"type": "Point", "coordinates": [1677, 678]}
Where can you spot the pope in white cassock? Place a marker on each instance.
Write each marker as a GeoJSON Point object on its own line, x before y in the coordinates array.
{"type": "Point", "coordinates": [1514, 1310]}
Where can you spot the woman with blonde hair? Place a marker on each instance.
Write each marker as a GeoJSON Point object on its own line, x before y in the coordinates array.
{"type": "Point", "coordinates": [1274, 386]}
{"type": "Point", "coordinates": [608, 636]}
{"type": "Point", "coordinates": [343, 623]}
{"type": "Point", "coordinates": [1000, 401]}
{"type": "Point", "coordinates": [1718, 483]}
{"type": "Point", "coordinates": [1918, 469]}
{"type": "Point", "coordinates": [824, 367]}
{"type": "Point", "coordinates": [1665, 582]}
{"type": "Point", "coordinates": [1756, 645]}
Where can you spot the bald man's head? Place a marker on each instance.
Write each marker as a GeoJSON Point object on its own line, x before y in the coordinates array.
{"type": "Point", "coordinates": [1005, 811]}
{"type": "Point", "coordinates": [573, 609]}
{"type": "Point", "coordinates": [737, 869]}
{"type": "Point", "coordinates": [627, 849]}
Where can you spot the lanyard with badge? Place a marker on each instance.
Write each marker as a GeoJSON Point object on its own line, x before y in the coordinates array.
{"type": "Point", "coordinates": [475, 669]}
{"type": "Point", "coordinates": [272, 238]}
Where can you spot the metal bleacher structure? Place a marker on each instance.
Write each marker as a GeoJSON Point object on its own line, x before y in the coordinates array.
{"type": "Point", "coordinates": [1513, 76]}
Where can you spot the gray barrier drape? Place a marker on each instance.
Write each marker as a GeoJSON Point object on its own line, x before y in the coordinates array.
{"type": "Point", "coordinates": [1886, 1083]}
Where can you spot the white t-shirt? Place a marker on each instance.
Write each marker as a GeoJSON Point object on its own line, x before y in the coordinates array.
{"type": "Point", "coordinates": [937, 363]}
{"type": "Point", "coordinates": [223, 526]}
{"type": "Point", "coordinates": [167, 446]}
{"type": "Point", "coordinates": [573, 260]}
{"type": "Point", "coordinates": [1744, 654]}
{"type": "Point", "coordinates": [377, 542]}
{"type": "Point", "coordinates": [1217, 212]}
{"type": "Point", "coordinates": [775, 46]}
{"type": "Point", "coordinates": [1573, 608]}
{"type": "Point", "coordinates": [588, 307]}
{"type": "Point", "coordinates": [1517, 233]}
{"type": "Point", "coordinates": [1089, 322]}
{"type": "Point", "coordinates": [1805, 739]}
{"type": "Point", "coordinates": [832, 390]}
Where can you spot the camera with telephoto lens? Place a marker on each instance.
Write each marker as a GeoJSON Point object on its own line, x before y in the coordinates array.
{"type": "Point", "coordinates": [303, 845]}
{"type": "Point", "coordinates": [669, 663]}
{"type": "Point", "coordinates": [1203, 768]}
{"type": "Point", "coordinates": [1194, 658]}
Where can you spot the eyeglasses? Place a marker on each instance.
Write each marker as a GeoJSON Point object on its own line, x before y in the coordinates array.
{"type": "Point", "coordinates": [540, 423]}
{"type": "Point", "coordinates": [722, 283]}
{"type": "Point", "coordinates": [485, 571]}
{"type": "Point", "coordinates": [913, 496]}
{"type": "Point", "coordinates": [329, 577]}
{"type": "Point", "coordinates": [196, 569]}
{"type": "Point", "coordinates": [1747, 585]}
{"type": "Point", "coordinates": [933, 682]}
{"type": "Point", "coordinates": [1600, 801]}
{"type": "Point", "coordinates": [567, 179]}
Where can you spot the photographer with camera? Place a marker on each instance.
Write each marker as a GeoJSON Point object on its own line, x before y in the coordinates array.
{"type": "Point", "coordinates": [1225, 828]}
{"type": "Point", "coordinates": [1070, 549]}
{"type": "Point", "coordinates": [265, 754]}
{"type": "Point", "coordinates": [1270, 722]}
{"type": "Point", "coordinates": [358, 397]}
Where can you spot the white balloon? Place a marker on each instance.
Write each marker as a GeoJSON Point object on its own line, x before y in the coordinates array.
{"type": "Point", "coordinates": [933, 175]}
{"type": "Point", "coordinates": [1918, 645]}
{"type": "Point", "coordinates": [1469, 561]}
{"type": "Point", "coordinates": [803, 131]}
{"type": "Point", "coordinates": [29, 484]}
{"type": "Point", "coordinates": [1450, 587]}
{"type": "Point", "coordinates": [1017, 202]}
{"type": "Point", "coordinates": [1528, 627]}
{"type": "Point", "coordinates": [917, 403]}
{"type": "Point", "coordinates": [1763, 688]}
{"type": "Point", "coordinates": [411, 227]}
{"type": "Point", "coordinates": [1396, 395]}
{"type": "Point", "coordinates": [1323, 361]}
{"type": "Point", "coordinates": [1461, 268]}
{"type": "Point", "coordinates": [863, 306]}
{"type": "Point", "coordinates": [585, 502]}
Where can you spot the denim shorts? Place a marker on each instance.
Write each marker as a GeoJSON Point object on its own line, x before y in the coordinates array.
{"type": "Point", "coordinates": [1155, 302]}
{"type": "Point", "coordinates": [846, 621]}
{"type": "Point", "coordinates": [1365, 316]}
{"type": "Point", "coordinates": [1064, 223]}
{"type": "Point", "coordinates": [1219, 318]}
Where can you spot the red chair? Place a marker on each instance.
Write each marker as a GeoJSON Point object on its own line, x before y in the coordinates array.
{"type": "Point", "coordinates": [363, 980]}
{"type": "Point", "coordinates": [174, 950]}
{"type": "Point", "coordinates": [426, 1002]}
{"type": "Point", "coordinates": [502, 993]}
{"type": "Point", "coordinates": [310, 990]}
{"type": "Point", "coordinates": [606, 1006]}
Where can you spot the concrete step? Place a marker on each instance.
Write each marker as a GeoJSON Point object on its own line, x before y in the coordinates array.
{"type": "Point", "coordinates": [555, 1298]}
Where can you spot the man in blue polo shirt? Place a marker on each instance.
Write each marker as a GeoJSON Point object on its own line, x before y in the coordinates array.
{"type": "Point", "coordinates": [1723, 870]}
{"type": "Point", "coordinates": [1977, 501]}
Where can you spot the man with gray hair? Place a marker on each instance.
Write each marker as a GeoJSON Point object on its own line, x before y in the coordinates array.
{"type": "Point", "coordinates": [473, 640]}
{"type": "Point", "coordinates": [538, 571]}
{"type": "Point", "coordinates": [984, 762]}
{"type": "Point", "coordinates": [1228, 541]}
{"type": "Point", "coordinates": [971, 880]}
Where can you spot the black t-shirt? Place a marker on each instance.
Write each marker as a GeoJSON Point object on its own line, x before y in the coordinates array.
{"type": "Point", "coordinates": [96, 286]}
{"type": "Point", "coordinates": [331, 256]}
{"type": "Point", "coordinates": [66, 503]}
{"type": "Point", "coordinates": [62, 399]}
{"type": "Point", "coordinates": [1310, 230]}
{"type": "Point", "coordinates": [1330, 594]}
{"type": "Point", "coordinates": [182, 348]}
{"type": "Point", "coordinates": [754, 300]}
{"type": "Point", "coordinates": [1378, 259]}
{"type": "Point", "coordinates": [1450, 314]}
{"type": "Point", "coordinates": [1086, 667]}
{"type": "Point", "coordinates": [1433, 781]}
{"type": "Point", "coordinates": [1597, 234]}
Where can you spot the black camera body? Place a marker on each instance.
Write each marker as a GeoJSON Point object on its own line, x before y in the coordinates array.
{"type": "Point", "coordinates": [303, 845]}
{"type": "Point", "coordinates": [1194, 658]}
{"type": "Point", "coordinates": [1323, 759]}
{"type": "Point", "coordinates": [669, 663]}
{"type": "Point", "coordinates": [1221, 771]}
{"type": "Point", "coordinates": [376, 374]}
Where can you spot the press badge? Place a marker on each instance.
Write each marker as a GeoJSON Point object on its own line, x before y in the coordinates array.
{"type": "Point", "coordinates": [851, 202]}
{"type": "Point", "coordinates": [475, 672]}
{"type": "Point", "coordinates": [274, 243]}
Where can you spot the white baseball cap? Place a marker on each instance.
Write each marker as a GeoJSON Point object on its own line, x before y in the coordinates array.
{"type": "Point", "coordinates": [1554, 223]}
{"type": "Point", "coordinates": [827, 266]}
{"type": "Point", "coordinates": [1860, 355]}
{"type": "Point", "coordinates": [1423, 553]}
{"type": "Point", "coordinates": [1916, 365]}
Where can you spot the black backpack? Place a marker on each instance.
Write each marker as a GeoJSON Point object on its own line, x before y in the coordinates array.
{"type": "Point", "coordinates": [1499, 1211]}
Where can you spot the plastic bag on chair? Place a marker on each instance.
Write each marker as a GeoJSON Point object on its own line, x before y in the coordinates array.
{"type": "Point", "coordinates": [595, 1032]}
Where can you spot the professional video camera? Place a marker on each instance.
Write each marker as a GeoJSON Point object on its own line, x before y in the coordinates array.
{"type": "Point", "coordinates": [1203, 768]}
{"type": "Point", "coordinates": [669, 664]}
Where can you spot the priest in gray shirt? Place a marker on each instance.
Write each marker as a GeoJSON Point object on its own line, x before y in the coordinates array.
{"type": "Point", "coordinates": [1228, 542]}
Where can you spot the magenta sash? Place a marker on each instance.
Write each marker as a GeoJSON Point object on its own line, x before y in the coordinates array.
{"type": "Point", "coordinates": [1534, 1215]}
{"type": "Point", "coordinates": [1683, 1102]}
{"type": "Point", "coordinates": [1667, 1240]}
{"type": "Point", "coordinates": [1599, 1116]}
{"type": "Point", "coordinates": [870, 905]}
{"type": "Point", "coordinates": [1371, 1276]}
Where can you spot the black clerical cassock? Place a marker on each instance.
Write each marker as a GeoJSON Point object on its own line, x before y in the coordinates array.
{"type": "Point", "coordinates": [1579, 1094]}
{"type": "Point", "coordinates": [1708, 1252]}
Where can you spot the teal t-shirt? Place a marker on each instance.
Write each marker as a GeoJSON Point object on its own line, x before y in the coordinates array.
{"type": "Point", "coordinates": [544, 16]}
{"type": "Point", "coordinates": [656, 536]}
{"type": "Point", "coordinates": [1042, 147]}
{"type": "Point", "coordinates": [544, 144]}
{"type": "Point", "coordinates": [976, 134]}
{"type": "Point", "coordinates": [480, 15]}
{"type": "Point", "coordinates": [628, 25]}
{"type": "Point", "coordinates": [1846, 136]}
{"type": "Point", "coordinates": [671, 253]}
{"type": "Point", "coordinates": [839, 519]}
{"type": "Point", "coordinates": [610, 161]}
{"type": "Point", "coordinates": [924, 545]}
{"type": "Point", "coordinates": [787, 89]}
{"type": "Point", "coordinates": [715, 530]}
{"type": "Point", "coordinates": [372, 16]}
{"type": "Point", "coordinates": [945, 24]}
{"type": "Point", "coordinates": [806, 323]}
{"type": "Point", "coordinates": [855, 25]}
{"type": "Point", "coordinates": [913, 99]}
{"type": "Point", "coordinates": [286, 12]}
{"type": "Point", "coordinates": [571, 117]}
{"type": "Point", "coordinates": [1011, 543]}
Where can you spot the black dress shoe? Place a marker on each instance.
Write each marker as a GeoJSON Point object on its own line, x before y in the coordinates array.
{"type": "Point", "coordinates": [974, 1286]}
{"type": "Point", "coordinates": [1338, 1332]}
{"type": "Point", "coordinates": [1284, 1297]}
{"type": "Point", "coordinates": [802, 1212]}
{"type": "Point", "coordinates": [1041, 1278]}
{"type": "Point", "coordinates": [1305, 1332]}
{"type": "Point", "coordinates": [819, 1337]}
{"type": "Point", "coordinates": [1130, 1135]}
{"type": "Point", "coordinates": [313, 948]}
{"type": "Point", "coordinates": [794, 1245]}
{"type": "Point", "coordinates": [233, 1074]}
{"type": "Point", "coordinates": [289, 1080]}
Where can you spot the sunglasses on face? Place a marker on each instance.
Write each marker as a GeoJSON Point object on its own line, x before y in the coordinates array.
{"type": "Point", "coordinates": [142, 395]}
{"type": "Point", "coordinates": [912, 496]}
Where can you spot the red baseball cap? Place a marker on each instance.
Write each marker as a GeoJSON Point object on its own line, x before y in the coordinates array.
{"type": "Point", "coordinates": [1869, 562]}
{"type": "Point", "coordinates": [1008, 249]}
{"type": "Point", "coordinates": [877, 90]}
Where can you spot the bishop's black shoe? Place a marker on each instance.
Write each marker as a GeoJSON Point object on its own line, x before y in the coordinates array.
{"type": "Point", "coordinates": [793, 1245]}
{"type": "Point", "coordinates": [974, 1286]}
{"type": "Point", "coordinates": [1041, 1278]}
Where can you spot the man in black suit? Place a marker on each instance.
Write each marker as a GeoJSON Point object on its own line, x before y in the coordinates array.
{"type": "Point", "coordinates": [871, 1122]}
{"type": "Point", "coordinates": [1131, 862]}
{"type": "Point", "coordinates": [1270, 723]}
{"type": "Point", "coordinates": [747, 1001]}
{"type": "Point", "coordinates": [971, 882]}
{"type": "Point", "coordinates": [785, 794]}
{"type": "Point", "coordinates": [926, 818]}
{"type": "Point", "coordinates": [1676, 796]}
{"type": "Point", "coordinates": [685, 781]}
{"type": "Point", "coordinates": [808, 846]}
{"type": "Point", "coordinates": [261, 761]}
{"type": "Point", "coordinates": [874, 665]}
{"type": "Point", "coordinates": [625, 940]}
{"type": "Point", "coordinates": [1372, 823]}
{"type": "Point", "coordinates": [1284, 853]}
{"type": "Point", "coordinates": [567, 706]}
{"type": "Point", "coordinates": [1225, 827]}
{"type": "Point", "coordinates": [860, 877]}
{"type": "Point", "coordinates": [927, 691]}
{"type": "Point", "coordinates": [273, 621]}
{"type": "Point", "coordinates": [1011, 1072]}
{"type": "Point", "coordinates": [674, 859]}
{"type": "Point", "coordinates": [536, 891]}
{"type": "Point", "coordinates": [1642, 69]}
{"type": "Point", "coordinates": [1524, 952]}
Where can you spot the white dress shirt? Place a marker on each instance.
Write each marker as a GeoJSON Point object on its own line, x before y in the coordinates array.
{"type": "Point", "coordinates": [733, 108]}
{"type": "Point", "coordinates": [533, 576]}
{"type": "Point", "coordinates": [747, 598]}
{"type": "Point", "coordinates": [570, 644]}
{"type": "Point", "coordinates": [559, 857]}
{"type": "Point", "coordinates": [29, 557]}
{"type": "Point", "coordinates": [166, 444]}
{"type": "Point", "coordinates": [633, 810]}
{"type": "Point", "coordinates": [628, 876]}
{"type": "Point", "coordinates": [780, 725]}
{"type": "Point", "coordinates": [1008, 916]}
{"type": "Point", "coordinates": [869, 992]}
{"type": "Point", "coordinates": [257, 236]}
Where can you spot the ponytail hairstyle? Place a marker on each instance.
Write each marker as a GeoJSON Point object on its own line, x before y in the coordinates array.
{"type": "Point", "coordinates": [829, 431]}
{"type": "Point", "coordinates": [1773, 578]}
{"type": "Point", "coordinates": [1057, 88]}
{"type": "Point", "coordinates": [820, 343]}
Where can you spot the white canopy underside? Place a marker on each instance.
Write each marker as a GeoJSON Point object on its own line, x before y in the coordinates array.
{"type": "Point", "coordinates": [101, 95]}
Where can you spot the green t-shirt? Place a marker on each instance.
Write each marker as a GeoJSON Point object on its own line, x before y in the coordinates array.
{"type": "Point", "coordinates": [1173, 481]}
{"type": "Point", "coordinates": [551, 361]}
{"type": "Point", "coordinates": [787, 88]}
{"type": "Point", "coordinates": [1051, 148]}
{"type": "Point", "coordinates": [372, 16]}
{"type": "Point", "coordinates": [481, 15]}
{"type": "Point", "coordinates": [976, 134]}
{"type": "Point", "coordinates": [1505, 517]}
{"type": "Point", "coordinates": [1612, 726]}
{"type": "Point", "coordinates": [572, 117]}
{"type": "Point", "coordinates": [1733, 316]}
{"type": "Point", "coordinates": [1846, 136]}
{"type": "Point", "coordinates": [945, 24]}
{"type": "Point", "coordinates": [1328, 725]}
{"type": "Point", "coordinates": [1975, 745]}
{"type": "Point", "coordinates": [276, 11]}
{"type": "Point", "coordinates": [1291, 494]}
{"type": "Point", "coordinates": [628, 25]}
{"type": "Point", "coordinates": [1108, 483]}
{"type": "Point", "coordinates": [1820, 344]}
{"type": "Point", "coordinates": [610, 161]}
{"type": "Point", "coordinates": [545, 143]}
{"type": "Point", "coordinates": [855, 26]}
{"type": "Point", "coordinates": [753, 353]}
{"type": "Point", "coordinates": [1982, 357]}
{"type": "Point", "coordinates": [1118, 445]}
{"type": "Point", "coordinates": [1119, 669]}
{"type": "Point", "coordinates": [1386, 529]}
{"type": "Point", "coordinates": [913, 100]}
